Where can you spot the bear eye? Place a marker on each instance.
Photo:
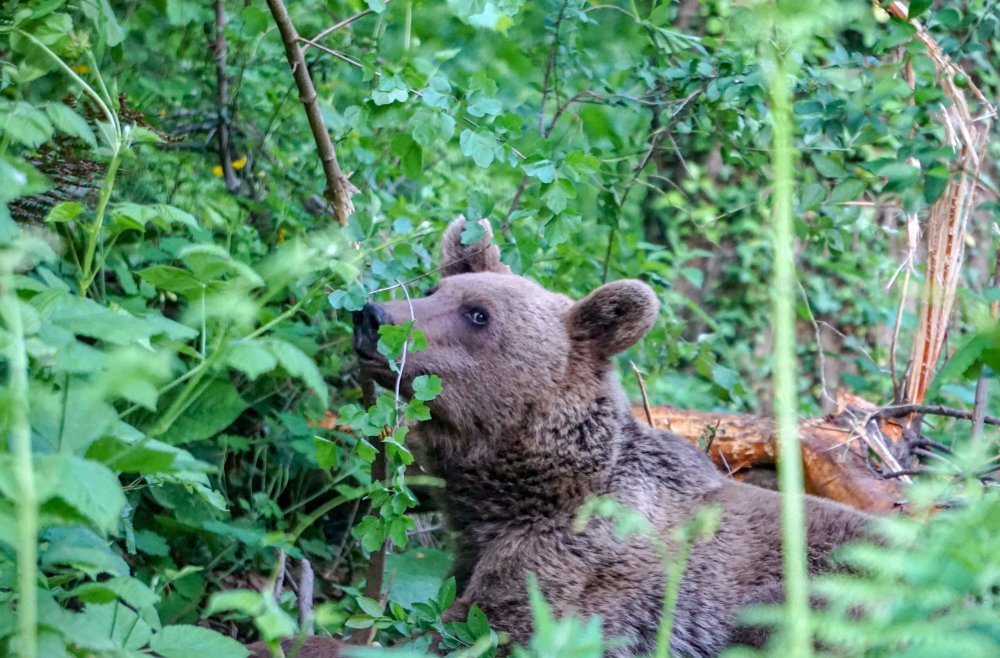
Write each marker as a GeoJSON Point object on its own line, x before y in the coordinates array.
{"type": "Point", "coordinates": [477, 316]}
{"type": "Point", "coordinates": [431, 291]}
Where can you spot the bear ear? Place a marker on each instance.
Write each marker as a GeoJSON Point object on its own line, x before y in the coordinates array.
{"type": "Point", "coordinates": [458, 258]}
{"type": "Point", "coordinates": [614, 317]}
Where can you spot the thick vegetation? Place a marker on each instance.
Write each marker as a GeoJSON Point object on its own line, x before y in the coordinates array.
{"type": "Point", "coordinates": [182, 416]}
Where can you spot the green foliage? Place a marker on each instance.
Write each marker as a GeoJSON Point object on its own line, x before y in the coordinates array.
{"type": "Point", "coordinates": [171, 348]}
{"type": "Point", "coordinates": [930, 590]}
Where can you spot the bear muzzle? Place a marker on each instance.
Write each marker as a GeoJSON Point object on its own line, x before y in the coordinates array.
{"type": "Point", "coordinates": [366, 324]}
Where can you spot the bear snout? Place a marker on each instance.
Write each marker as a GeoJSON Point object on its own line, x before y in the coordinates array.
{"type": "Point", "coordinates": [366, 324]}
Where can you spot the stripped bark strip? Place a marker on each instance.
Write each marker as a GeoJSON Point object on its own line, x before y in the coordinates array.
{"type": "Point", "coordinates": [949, 215]}
{"type": "Point", "coordinates": [338, 189]}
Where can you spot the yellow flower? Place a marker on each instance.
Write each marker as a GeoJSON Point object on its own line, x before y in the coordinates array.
{"type": "Point", "coordinates": [239, 164]}
{"type": "Point", "coordinates": [217, 171]}
{"type": "Point", "coordinates": [281, 235]}
{"type": "Point", "coordinates": [81, 69]}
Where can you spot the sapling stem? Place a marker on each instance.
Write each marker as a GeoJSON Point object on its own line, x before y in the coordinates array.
{"type": "Point", "coordinates": [24, 474]}
{"type": "Point", "coordinates": [793, 538]}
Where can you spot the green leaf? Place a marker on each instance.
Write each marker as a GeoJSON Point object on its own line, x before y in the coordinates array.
{"type": "Point", "coordinates": [370, 606]}
{"type": "Point", "coordinates": [966, 359]}
{"type": "Point", "coordinates": [145, 456]}
{"type": "Point", "coordinates": [478, 625]}
{"type": "Point", "coordinates": [211, 412]}
{"type": "Point", "coordinates": [251, 357]}
{"type": "Point", "coordinates": [255, 19]}
{"type": "Point", "coordinates": [480, 145]}
{"type": "Point", "coordinates": [555, 198]}
{"type": "Point", "coordinates": [377, 6]}
{"type": "Point", "coordinates": [326, 453]}
{"type": "Point", "coordinates": [850, 189]}
{"type": "Point", "coordinates": [25, 124]}
{"type": "Point", "coordinates": [71, 123]}
{"type": "Point", "coordinates": [431, 127]}
{"type": "Point", "coordinates": [480, 105]}
{"type": "Point", "coordinates": [185, 641]}
{"type": "Point", "coordinates": [173, 279]}
{"type": "Point", "coordinates": [426, 387]}
{"type": "Point", "coordinates": [391, 89]}
{"type": "Point", "coordinates": [87, 486]}
{"type": "Point", "coordinates": [79, 547]}
{"type": "Point", "coordinates": [543, 170]}
{"type": "Point", "coordinates": [411, 156]}
{"type": "Point", "coordinates": [104, 19]}
{"type": "Point", "coordinates": [298, 364]}
{"type": "Point", "coordinates": [827, 166]}
{"type": "Point", "coordinates": [19, 178]}
{"type": "Point", "coordinates": [812, 195]}
{"type": "Point", "coordinates": [130, 590]}
{"type": "Point", "coordinates": [918, 8]}
{"type": "Point", "coordinates": [86, 317]}
{"type": "Point", "coordinates": [66, 211]}
{"type": "Point", "coordinates": [419, 576]}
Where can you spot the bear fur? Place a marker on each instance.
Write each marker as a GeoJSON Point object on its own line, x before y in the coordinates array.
{"type": "Point", "coordinates": [532, 422]}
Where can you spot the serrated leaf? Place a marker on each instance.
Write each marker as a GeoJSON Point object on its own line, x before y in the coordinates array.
{"type": "Point", "coordinates": [185, 641]}
{"type": "Point", "coordinates": [298, 364]}
{"type": "Point", "coordinates": [251, 357]}
{"type": "Point", "coordinates": [87, 486]}
{"type": "Point", "coordinates": [210, 413]}
{"type": "Point", "coordinates": [71, 123]}
{"type": "Point", "coordinates": [26, 124]}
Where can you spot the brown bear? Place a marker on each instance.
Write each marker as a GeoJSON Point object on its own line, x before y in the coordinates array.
{"type": "Point", "coordinates": [532, 422]}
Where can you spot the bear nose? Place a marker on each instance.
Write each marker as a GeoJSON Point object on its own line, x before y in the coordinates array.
{"type": "Point", "coordinates": [366, 324]}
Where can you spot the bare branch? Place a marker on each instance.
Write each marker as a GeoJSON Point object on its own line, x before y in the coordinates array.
{"type": "Point", "coordinates": [337, 26]}
{"type": "Point", "coordinates": [982, 384]}
{"type": "Point", "coordinates": [901, 410]}
{"type": "Point", "coordinates": [338, 188]}
{"type": "Point", "coordinates": [219, 50]}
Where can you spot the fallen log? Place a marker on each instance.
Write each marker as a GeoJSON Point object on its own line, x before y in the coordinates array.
{"type": "Point", "coordinates": [836, 450]}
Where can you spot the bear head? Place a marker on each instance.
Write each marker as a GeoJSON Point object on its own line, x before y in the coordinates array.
{"type": "Point", "coordinates": [511, 355]}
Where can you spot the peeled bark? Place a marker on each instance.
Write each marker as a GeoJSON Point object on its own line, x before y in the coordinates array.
{"type": "Point", "coordinates": [834, 449]}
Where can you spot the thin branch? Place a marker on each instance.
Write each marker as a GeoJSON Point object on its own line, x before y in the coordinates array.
{"type": "Point", "coordinates": [338, 188]}
{"type": "Point", "coordinates": [306, 582]}
{"type": "Point", "coordinates": [642, 391]}
{"type": "Point", "coordinates": [550, 69]}
{"type": "Point", "coordinates": [900, 410]}
{"type": "Point", "coordinates": [402, 284]}
{"type": "Point", "coordinates": [219, 50]}
{"type": "Point", "coordinates": [982, 384]}
{"type": "Point", "coordinates": [279, 579]}
{"type": "Point", "coordinates": [337, 26]}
